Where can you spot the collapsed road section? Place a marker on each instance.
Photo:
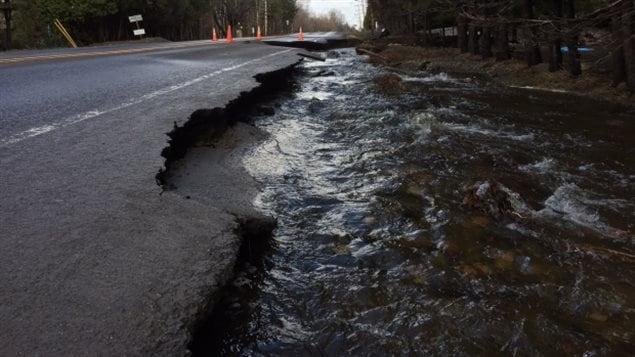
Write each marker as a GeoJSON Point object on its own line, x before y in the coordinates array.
{"type": "Point", "coordinates": [98, 259]}
{"type": "Point", "coordinates": [207, 124]}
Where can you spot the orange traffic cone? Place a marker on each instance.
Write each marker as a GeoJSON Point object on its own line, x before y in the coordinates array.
{"type": "Point", "coordinates": [259, 34]}
{"type": "Point", "coordinates": [230, 36]}
{"type": "Point", "coordinates": [301, 35]}
{"type": "Point", "coordinates": [214, 35]}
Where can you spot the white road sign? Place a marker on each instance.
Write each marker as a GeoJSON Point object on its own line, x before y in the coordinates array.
{"type": "Point", "coordinates": [135, 18]}
{"type": "Point", "coordinates": [139, 32]}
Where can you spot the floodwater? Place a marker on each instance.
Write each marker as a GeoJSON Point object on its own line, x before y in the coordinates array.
{"type": "Point", "coordinates": [456, 218]}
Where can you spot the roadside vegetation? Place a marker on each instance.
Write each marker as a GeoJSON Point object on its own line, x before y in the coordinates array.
{"type": "Point", "coordinates": [99, 21]}
{"type": "Point", "coordinates": [581, 38]}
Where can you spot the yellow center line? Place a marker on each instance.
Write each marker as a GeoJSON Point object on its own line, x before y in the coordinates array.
{"type": "Point", "coordinates": [103, 53]}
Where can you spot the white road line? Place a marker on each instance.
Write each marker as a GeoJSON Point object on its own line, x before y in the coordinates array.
{"type": "Point", "coordinates": [40, 130]}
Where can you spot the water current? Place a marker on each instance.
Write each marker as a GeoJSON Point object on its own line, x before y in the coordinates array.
{"type": "Point", "coordinates": [455, 218]}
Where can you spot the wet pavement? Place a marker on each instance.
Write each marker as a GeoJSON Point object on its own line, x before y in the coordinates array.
{"type": "Point", "coordinates": [97, 258]}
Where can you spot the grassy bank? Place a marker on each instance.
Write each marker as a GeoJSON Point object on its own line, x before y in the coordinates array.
{"type": "Point", "coordinates": [411, 58]}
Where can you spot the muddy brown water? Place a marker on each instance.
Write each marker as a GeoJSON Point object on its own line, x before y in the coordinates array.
{"type": "Point", "coordinates": [376, 252]}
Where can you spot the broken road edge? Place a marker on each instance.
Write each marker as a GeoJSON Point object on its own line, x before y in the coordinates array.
{"type": "Point", "coordinates": [253, 231]}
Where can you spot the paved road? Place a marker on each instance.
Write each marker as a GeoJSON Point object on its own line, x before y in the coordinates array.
{"type": "Point", "coordinates": [96, 259]}
{"type": "Point", "coordinates": [117, 48]}
{"type": "Point", "coordinates": [312, 41]}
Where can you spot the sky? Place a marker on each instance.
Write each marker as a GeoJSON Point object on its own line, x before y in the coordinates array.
{"type": "Point", "coordinates": [350, 8]}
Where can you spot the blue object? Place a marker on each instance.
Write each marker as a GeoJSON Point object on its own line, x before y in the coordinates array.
{"type": "Point", "coordinates": [565, 49]}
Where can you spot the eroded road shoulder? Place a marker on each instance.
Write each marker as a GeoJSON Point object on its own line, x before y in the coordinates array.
{"type": "Point", "coordinates": [96, 256]}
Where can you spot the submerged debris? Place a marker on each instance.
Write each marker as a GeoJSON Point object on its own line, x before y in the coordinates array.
{"type": "Point", "coordinates": [333, 54]}
{"type": "Point", "coordinates": [315, 106]}
{"type": "Point", "coordinates": [323, 73]}
{"type": "Point", "coordinates": [488, 198]}
{"type": "Point", "coordinates": [389, 84]}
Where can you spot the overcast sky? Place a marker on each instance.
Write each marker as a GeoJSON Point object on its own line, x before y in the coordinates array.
{"type": "Point", "coordinates": [350, 8]}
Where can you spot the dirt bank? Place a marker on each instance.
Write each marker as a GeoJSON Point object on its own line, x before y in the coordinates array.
{"type": "Point", "coordinates": [410, 58]}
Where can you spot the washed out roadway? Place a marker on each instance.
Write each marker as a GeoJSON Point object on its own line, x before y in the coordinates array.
{"type": "Point", "coordinates": [95, 259]}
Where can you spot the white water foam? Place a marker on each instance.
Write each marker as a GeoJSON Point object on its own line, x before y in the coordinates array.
{"type": "Point", "coordinates": [318, 95]}
{"type": "Point", "coordinates": [522, 230]}
{"type": "Point", "coordinates": [541, 89]}
{"type": "Point", "coordinates": [545, 165]}
{"type": "Point", "coordinates": [473, 129]}
{"type": "Point", "coordinates": [576, 205]}
{"type": "Point", "coordinates": [431, 78]}
{"type": "Point", "coordinates": [423, 122]}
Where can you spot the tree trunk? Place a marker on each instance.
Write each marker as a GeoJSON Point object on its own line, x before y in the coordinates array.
{"type": "Point", "coordinates": [102, 30]}
{"type": "Point", "coordinates": [120, 29]}
{"type": "Point", "coordinates": [569, 7]}
{"type": "Point", "coordinates": [485, 42]}
{"type": "Point", "coordinates": [629, 43]}
{"type": "Point", "coordinates": [573, 56]}
{"type": "Point", "coordinates": [473, 39]}
{"type": "Point", "coordinates": [629, 61]}
{"type": "Point", "coordinates": [528, 9]}
{"type": "Point", "coordinates": [7, 21]}
{"type": "Point", "coordinates": [502, 43]}
{"type": "Point", "coordinates": [462, 34]}
{"type": "Point", "coordinates": [532, 51]}
{"type": "Point", "coordinates": [555, 55]}
{"type": "Point", "coordinates": [618, 65]}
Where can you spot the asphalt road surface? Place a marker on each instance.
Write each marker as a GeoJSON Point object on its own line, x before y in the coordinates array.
{"type": "Point", "coordinates": [312, 41]}
{"type": "Point", "coordinates": [95, 258]}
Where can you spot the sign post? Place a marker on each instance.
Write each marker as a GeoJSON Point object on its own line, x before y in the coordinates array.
{"type": "Point", "coordinates": [136, 19]}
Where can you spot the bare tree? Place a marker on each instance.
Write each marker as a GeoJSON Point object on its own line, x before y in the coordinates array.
{"type": "Point", "coordinates": [6, 8]}
{"type": "Point", "coordinates": [484, 26]}
{"type": "Point", "coordinates": [555, 53]}
{"type": "Point", "coordinates": [462, 36]}
{"type": "Point", "coordinates": [485, 9]}
{"type": "Point", "coordinates": [573, 55]}
{"type": "Point", "coordinates": [532, 50]}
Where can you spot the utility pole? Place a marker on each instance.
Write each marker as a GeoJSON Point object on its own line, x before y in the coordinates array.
{"type": "Point", "coordinates": [266, 18]}
{"type": "Point", "coordinates": [5, 5]}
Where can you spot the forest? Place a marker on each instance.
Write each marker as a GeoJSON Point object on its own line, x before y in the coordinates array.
{"type": "Point", "coordinates": [546, 31]}
{"type": "Point", "coordinates": [95, 21]}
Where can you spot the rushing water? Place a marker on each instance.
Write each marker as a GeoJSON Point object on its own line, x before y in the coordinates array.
{"type": "Point", "coordinates": [379, 253]}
